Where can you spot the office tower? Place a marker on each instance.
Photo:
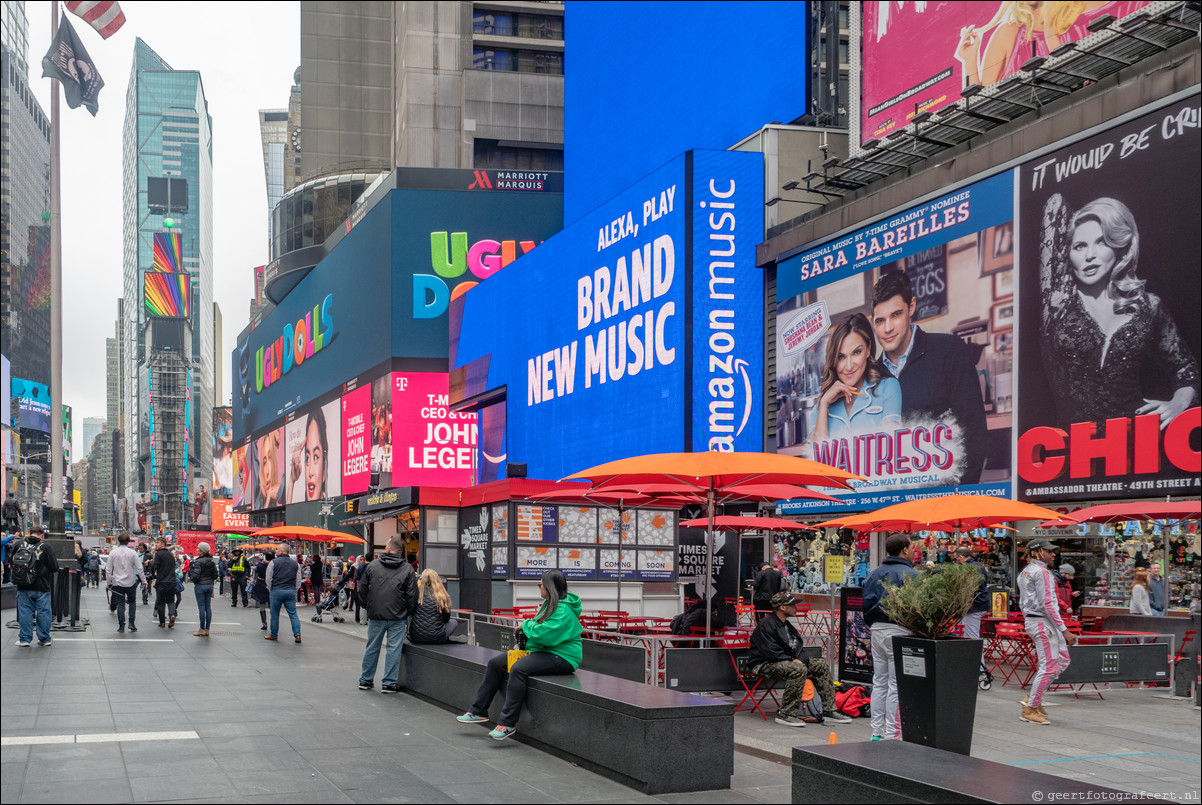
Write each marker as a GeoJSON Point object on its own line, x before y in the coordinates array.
{"type": "Point", "coordinates": [90, 429]}
{"type": "Point", "coordinates": [14, 34]}
{"type": "Point", "coordinates": [273, 129]}
{"type": "Point", "coordinates": [167, 318]}
{"type": "Point", "coordinates": [24, 232]}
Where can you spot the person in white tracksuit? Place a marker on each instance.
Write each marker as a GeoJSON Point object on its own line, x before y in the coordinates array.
{"type": "Point", "coordinates": [1041, 613]}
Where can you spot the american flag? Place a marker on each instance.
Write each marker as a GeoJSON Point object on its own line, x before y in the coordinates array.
{"type": "Point", "coordinates": [103, 15]}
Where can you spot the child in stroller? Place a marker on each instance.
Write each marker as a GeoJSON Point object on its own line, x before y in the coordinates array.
{"type": "Point", "coordinates": [331, 604]}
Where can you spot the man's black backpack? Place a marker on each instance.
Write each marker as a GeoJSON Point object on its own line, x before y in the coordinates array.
{"type": "Point", "coordinates": [25, 564]}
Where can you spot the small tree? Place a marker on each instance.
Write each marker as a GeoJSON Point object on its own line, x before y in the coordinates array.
{"type": "Point", "coordinates": [931, 604]}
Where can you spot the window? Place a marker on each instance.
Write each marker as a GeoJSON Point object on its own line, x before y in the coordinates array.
{"type": "Point", "coordinates": [491, 60]}
{"type": "Point", "coordinates": [492, 23]}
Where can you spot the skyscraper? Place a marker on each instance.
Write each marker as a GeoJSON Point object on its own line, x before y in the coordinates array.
{"type": "Point", "coordinates": [14, 34]}
{"type": "Point", "coordinates": [24, 234]}
{"type": "Point", "coordinates": [91, 428]}
{"type": "Point", "coordinates": [273, 130]}
{"type": "Point", "coordinates": [167, 321]}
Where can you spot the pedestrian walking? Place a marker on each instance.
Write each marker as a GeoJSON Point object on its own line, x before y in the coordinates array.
{"type": "Point", "coordinates": [389, 592]}
{"type": "Point", "coordinates": [83, 558]}
{"type": "Point", "coordinates": [895, 569]}
{"type": "Point", "coordinates": [1042, 621]}
{"type": "Point", "coordinates": [317, 577]}
{"type": "Point", "coordinates": [283, 581]}
{"type": "Point", "coordinates": [124, 575]}
{"type": "Point", "coordinates": [34, 566]}
{"type": "Point", "coordinates": [977, 609]}
{"type": "Point", "coordinates": [259, 591]}
{"type": "Point", "coordinates": [767, 582]}
{"type": "Point", "coordinates": [431, 621]}
{"type": "Point", "coordinates": [776, 653]}
{"type": "Point", "coordinates": [223, 569]}
{"type": "Point", "coordinates": [203, 573]}
{"type": "Point", "coordinates": [166, 585]}
{"type": "Point", "coordinates": [553, 641]}
{"type": "Point", "coordinates": [145, 555]}
{"type": "Point", "coordinates": [239, 567]}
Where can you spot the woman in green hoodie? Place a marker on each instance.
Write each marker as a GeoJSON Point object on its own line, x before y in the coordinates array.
{"type": "Point", "coordinates": [553, 640]}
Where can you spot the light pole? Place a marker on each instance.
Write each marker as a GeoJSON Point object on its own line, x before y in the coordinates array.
{"type": "Point", "coordinates": [24, 468]}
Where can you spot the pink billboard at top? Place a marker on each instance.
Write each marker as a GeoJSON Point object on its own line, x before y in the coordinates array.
{"type": "Point", "coordinates": [356, 440]}
{"type": "Point", "coordinates": [432, 445]}
{"type": "Point", "coordinates": [919, 55]}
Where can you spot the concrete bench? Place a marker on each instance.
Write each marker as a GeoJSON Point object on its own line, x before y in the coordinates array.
{"type": "Point", "coordinates": [654, 740]}
{"type": "Point", "coordinates": [896, 771]}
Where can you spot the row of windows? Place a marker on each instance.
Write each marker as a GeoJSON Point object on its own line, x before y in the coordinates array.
{"type": "Point", "coordinates": [531, 26]}
{"type": "Point", "coordinates": [520, 61]}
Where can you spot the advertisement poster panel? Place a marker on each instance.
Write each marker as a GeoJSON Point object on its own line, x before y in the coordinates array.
{"type": "Point", "coordinates": [356, 435]}
{"type": "Point", "coordinates": [918, 56]}
{"type": "Point", "coordinates": [894, 351]}
{"type": "Point", "coordinates": [224, 516]}
{"type": "Point", "coordinates": [244, 482]}
{"type": "Point", "coordinates": [532, 560]}
{"type": "Point", "coordinates": [432, 445]}
{"type": "Point", "coordinates": [223, 452]}
{"type": "Point", "coordinates": [268, 466]}
{"type": "Point", "coordinates": [314, 458]}
{"type": "Point", "coordinates": [855, 646]}
{"type": "Point", "coordinates": [722, 582]}
{"type": "Point", "coordinates": [1108, 358]}
{"type": "Point", "coordinates": [381, 431]}
{"type": "Point", "coordinates": [33, 404]}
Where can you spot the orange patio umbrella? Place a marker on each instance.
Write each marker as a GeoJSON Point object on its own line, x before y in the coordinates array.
{"type": "Point", "coordinates": [712, 474]}
{"type": "Point", "coordinates": [303, 532]}
{"type": "Point", "coordinates": [945, 513]}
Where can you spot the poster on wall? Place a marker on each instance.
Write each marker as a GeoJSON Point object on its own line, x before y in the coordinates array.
{"type": "Point", "coordinates": [267, 464]}
{"type": "Point", "coordinates": [722, 579]}
{"type": "Point", "coordinates": [533, 560]}
{"type": "Point", "coordinates": [431, 444]}
{"type": "Point", "coordinates": [536, 523]}
{"type": "Point", "coordinates": [578, 563]}
{"type": "Point", "coordinates": [1108, 358]}
{"type": "Point", "coordinates": [609, 563]}
{"type": "Point", "coordinates": [356, 441]}
{"type": "Point", "coordinates": [656, 565]}
{"type": "Point", "coordinates": [244, 482]}
{"type": "Point", "coordinates": [313, 452]}
{"type": "Point", "coordinates": [918, 56]}
{"type": "Point", "coordinates": [381, 431]}
{"type": "Point", "coordinates": [223, 452]}
{"type": "Point", "coordinates": [577, 524]}
{"type": "Point", "coordinates": [656, 527]}
{"type": "Point", "coordinates": [895, 351]}
{"type": "Point", "coordinates": [615, 525]}
{"type": "Point", "coordinates": [500, 561]}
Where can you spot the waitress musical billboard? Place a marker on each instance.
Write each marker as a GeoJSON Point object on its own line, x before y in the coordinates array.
{"type": "Point", "coordinates": [894, 347]}
{"type": "Point", "coordinates": [1108, 358]}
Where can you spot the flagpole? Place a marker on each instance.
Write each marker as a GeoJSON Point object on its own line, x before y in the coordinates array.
{"type": "Point", "coordinates": [57, 519]}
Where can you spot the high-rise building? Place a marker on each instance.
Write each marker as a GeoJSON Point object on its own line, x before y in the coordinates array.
{"type": "Point", "coordinates": [14, 34]}
{"type": "Point", "coordinates": [167, 316]}
{"type": "Point", "coordinates": [90, 429]}
{"type": "Point", "coordinates": [273, 129]}
{"type": "Point", "coordinates": [24, 232]}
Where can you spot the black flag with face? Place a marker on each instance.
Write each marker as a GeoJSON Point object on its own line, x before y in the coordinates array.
{"type": "Point", "coordinates": [69, 62]}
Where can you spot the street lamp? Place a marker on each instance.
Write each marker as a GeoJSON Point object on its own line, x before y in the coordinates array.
{"type": "Point", "coordinates": [24, 468]}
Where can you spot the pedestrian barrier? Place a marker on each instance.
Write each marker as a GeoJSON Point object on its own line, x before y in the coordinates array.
{"type": "Point", "coordinates": [615, 727]}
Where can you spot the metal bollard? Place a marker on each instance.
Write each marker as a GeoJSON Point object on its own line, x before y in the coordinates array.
{"type": "Point", "coordinates": [74, 580]}
{"type": "Point", "coordinates": [59, 596]}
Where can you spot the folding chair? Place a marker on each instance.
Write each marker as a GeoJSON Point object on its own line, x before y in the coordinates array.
{"type": "Point", "coordinates": [756, 688]}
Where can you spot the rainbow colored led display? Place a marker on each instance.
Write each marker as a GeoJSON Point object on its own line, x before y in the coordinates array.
{"type": "Point", "coordinates": [167, 295]}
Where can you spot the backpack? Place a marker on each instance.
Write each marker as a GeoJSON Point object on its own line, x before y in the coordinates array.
{"type": "Point", "coordinates": [675, 627]}
{"type": "Point", "coordinates": [811, 704]}
{"type": "Point", "coordinates": [25, 564]}
{"type": "Point", "coordinates": [852, 702]}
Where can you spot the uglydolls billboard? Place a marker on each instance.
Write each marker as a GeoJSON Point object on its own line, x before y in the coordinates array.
{"type": "Point", "coordinates": [894, 351]}
{"type": "Point", "coordinates": [1108, 358]}
{"type": "Point", "coordinates": [917, 56]}
{"type": "Point", "coordinates": [636, 330]}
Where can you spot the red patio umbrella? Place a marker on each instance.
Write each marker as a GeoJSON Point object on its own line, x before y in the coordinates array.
{"type": "Point", "coordinates": [1132, 510]}
{"type": "Point", "coordinates": [727, 523]}
{"type": "Point", "coordinates": [944, 513]}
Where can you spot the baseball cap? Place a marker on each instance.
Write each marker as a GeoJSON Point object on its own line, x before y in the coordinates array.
{"type": "Point", "coordinates": [782, 600]}
{"type": "Point", "coordinates": [1040, 545]}
{"type": "Point", "coordinates": [1068, 570]}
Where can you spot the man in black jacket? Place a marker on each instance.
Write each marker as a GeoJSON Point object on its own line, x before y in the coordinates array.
{"type": "Point", "coordinates": [776, 648]}
{"type": "Point", "coordinates": [388, 590]}
{"type": "Point", "coordinates": [162, 576]}
{"type": "Point", "coordinates": [284, 579]}
{"type": "Point", "coordinates": [34, 568]}
{"type": "Point", "coordinates": [935, 370]}
{"type": "Point", "coordinates": [767, 583]}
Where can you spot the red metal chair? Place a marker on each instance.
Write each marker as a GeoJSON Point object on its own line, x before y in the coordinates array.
{"type": "Point", "coordinates": [756, 688]}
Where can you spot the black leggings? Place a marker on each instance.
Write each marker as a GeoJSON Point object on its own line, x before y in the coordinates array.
{"type": "Point", "coordinates": [536, 663]}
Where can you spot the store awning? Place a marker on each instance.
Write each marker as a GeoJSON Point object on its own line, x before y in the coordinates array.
{"type": "Point", "coordinates": [374, 517]}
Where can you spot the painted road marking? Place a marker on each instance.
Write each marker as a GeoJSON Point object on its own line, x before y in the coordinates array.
{"type": "Point", "coordinates": [99, 737]}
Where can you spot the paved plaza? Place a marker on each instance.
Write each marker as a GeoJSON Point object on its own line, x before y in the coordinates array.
{"type": "Point", "coordinates": [160, 715]}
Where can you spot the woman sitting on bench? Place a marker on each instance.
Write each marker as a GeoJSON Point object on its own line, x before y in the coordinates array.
{"type": "Point", "coordinates": [553, 640]}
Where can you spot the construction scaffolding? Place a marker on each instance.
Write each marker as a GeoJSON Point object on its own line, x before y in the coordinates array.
{"type": "Point", "coordinates": [169, 420]}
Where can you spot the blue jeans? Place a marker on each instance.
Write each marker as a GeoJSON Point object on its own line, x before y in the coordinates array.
{"type": "Point", "coordinates": [285, 597]}
{"type": "Point", "coordinates": [29, 601]}
{"type": "Point", "coordinates": [376, 632]}
{"type": "Point", "coordinates": [204, 603]}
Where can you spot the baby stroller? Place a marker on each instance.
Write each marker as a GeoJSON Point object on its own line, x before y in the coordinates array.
{"type": "Point", "coordinates": [331, 605]}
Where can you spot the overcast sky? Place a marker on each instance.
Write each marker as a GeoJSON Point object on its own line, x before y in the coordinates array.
{"type": "Point", "coordinates": [246, 54]}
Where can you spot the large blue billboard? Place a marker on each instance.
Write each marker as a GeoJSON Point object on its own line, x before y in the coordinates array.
{"type": "Point", "coordinates": [636, 330]}
{"type": "Point", "coordinates": [653, 79]}
{"type": "Point", "coordinates": [382, 293]}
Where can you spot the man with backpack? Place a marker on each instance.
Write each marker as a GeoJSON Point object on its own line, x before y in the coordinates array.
{"type": "Point", "coordinates": [34, 566]}
{"type": "Point", "coordinates": [776, 649]}
{"type": "Point", "coordinates": [238, 568]}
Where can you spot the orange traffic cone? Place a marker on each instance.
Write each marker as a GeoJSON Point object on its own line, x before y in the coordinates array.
{"type": "Point", "coordinates": [834, 739]}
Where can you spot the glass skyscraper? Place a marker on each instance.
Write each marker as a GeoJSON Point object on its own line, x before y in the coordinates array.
{"type": "Point", "coordinates": [167, 227]}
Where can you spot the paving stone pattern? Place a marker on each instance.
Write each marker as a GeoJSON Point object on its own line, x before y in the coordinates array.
{"type": "Point", "coordinates": [280, 722]}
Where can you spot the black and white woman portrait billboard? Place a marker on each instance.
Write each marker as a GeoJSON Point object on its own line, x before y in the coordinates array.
{"type": "Point", "coordinates": [1109, 283]}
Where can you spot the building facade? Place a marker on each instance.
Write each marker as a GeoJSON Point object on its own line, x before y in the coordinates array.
{"type": "Point", "coordinates": [14, 34]}
{"type": "Point", "coordinates": [167, 335]}
{"type": "Point", "coordinates": [24, 232]}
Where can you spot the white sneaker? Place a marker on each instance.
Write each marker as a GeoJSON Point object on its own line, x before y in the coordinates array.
{"type": "Point", "coordinates": [23, 643]}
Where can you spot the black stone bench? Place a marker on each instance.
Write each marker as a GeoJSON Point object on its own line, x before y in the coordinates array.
{"type": "Point", "coordinates": [654, 740]}
{"type": "Point", "coordinates": [896, 771]}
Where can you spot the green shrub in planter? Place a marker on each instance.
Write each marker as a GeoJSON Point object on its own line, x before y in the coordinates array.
{"type": "Point", "coordinates": [931, 604]}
